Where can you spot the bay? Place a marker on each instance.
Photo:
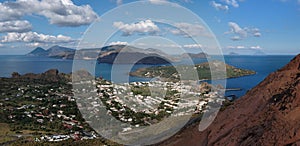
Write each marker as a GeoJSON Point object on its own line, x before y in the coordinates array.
{"type": "Point", "coordinates": [263, 65]}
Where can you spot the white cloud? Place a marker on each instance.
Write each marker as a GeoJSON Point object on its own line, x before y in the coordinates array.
{"type": "Point", "coordinates": [187, 1]}
{"type": "Point", "coordinates": [255, 32]}
{"type": "Point", "coordinates": [256, 48]}
{"type": "Point", "coordinates": [118, 43]}
{"type": "Point", "coordinates": [164, 1]}
{"type": "Point", "coordinates": [225, 4]}
{"type": "Point", "coordinates": [233, 3]}
{"type": "Point", "coordinates": [236, 38]}
{"type": "Point", "coordinates": [142, 27]}
{"type": "Point", "coordinates": [241, 33]}
{"type": "Point", "coordinates": [34, 44]}
{"type": "Point", "coordinates": [58, 12]}
{"type": "Point", "coordinates": [298, 1]}
{"type": "Point", "coordinates": [193, 46]}
{"type": "Point", "coordinates": [167, 45]}
{"type": "Point", "coordinates": [34, 37]}
{"type": "Point", "coordinates": [158, 1]}
{"type": "Point", "coordinates": [119, 2]}
{"type": "Point", "coordinates": [15, 26]}
{"type": "Point", "coordinates": [8, 14]}
{"type": "Point", "coordinates": [236, 29]}
{"type": "Point", "coordinates": [140, 44]}
{"type": "Point", "coordinates": [240, 47]}
{"type": "Point", "coordinates": [244, 47]}
{"type": "Point", "coordinates": [188, 30]}
{"type": "Point", "coordinates": [219, 6]}
{"type": "Point", "coordinates": [235, 47]}
{"type": "Point", "coordinates": [1, 45]}
{"type": "Point", "coordinates": [65, 13]}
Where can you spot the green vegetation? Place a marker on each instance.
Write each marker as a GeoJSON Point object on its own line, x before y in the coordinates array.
{"type": "Point", "coordinates": [31, 108]}
{"type": "Point", "coordinates": [185, 72]}
{"type": "Point", "coordinates": [69, 142]}
{"type": "Point", "coordinates": [36, 109]}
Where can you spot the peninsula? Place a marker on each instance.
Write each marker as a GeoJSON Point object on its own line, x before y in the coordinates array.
{"type": "Point", "coordinates": [204, 71]}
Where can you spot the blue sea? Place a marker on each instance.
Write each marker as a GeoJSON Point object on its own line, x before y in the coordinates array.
{"type": "Point", "coordinates": [263, 65]}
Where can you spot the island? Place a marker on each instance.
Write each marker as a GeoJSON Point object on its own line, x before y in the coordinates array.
{"type": "Point", "coordinates": [114, 54]}
{"type": "Point", "coordinates": [203, 70]}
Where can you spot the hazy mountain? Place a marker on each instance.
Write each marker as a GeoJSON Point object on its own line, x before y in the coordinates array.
{"type": "Point", "coordinates": [233, 53]}
{"type": "Point", "coordinates": [108, 54]}
{"type": "Point", "coordinates": [38, 52]}
{"type": "Point", "coordinates": [129, 54]}
{"type": "Point", "coordinates": [192, 55]}
{"type": "Point", "coordinates": [55, 52]}
{"type": "Point", "coordinates": [61, 52]}
{"type": "Point", "coordinates": [259, 53]}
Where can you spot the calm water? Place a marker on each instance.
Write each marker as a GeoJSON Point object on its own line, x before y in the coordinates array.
{"type": "Point", "coordinates": [263, 65]}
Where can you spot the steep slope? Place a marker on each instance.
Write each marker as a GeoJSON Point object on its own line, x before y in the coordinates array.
{"type": "Point", "coordinates": [269, 114]}
{"type": "Point", "coordinates": [38, 52]}
{"type": "Point", "coordinates": [54, 52]}
{"type": "Point", "coordinates": [60, 52]}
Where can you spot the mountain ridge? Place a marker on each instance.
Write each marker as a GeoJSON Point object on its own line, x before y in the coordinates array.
{"type": "Point", "coordinates": [267, 115]}
{"type": "Point", "coordinates": [110, 54]}
{"type": "Point", "coordinates": [39, 51]}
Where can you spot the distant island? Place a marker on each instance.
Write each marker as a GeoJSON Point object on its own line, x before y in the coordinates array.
{"type": "Point", "coordinates": [233, 53]}
{"type": "Point", "coordinates": [111, 54]}
{"type": "Point", "coordinates": [53, 52]}
{"type": "Point", "coordinates": [203, 69]}
{"type": "Point", "coordinates": [255, 53]}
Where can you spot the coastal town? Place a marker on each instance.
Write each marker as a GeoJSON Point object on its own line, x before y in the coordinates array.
{"type": "Point", "coordinates": [40, 110]}
{"type": "Point", "coordinates": [140, 104]}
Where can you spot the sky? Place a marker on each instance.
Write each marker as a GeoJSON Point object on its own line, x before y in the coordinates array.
{"type": "Point", "coordinates": [241, 26]}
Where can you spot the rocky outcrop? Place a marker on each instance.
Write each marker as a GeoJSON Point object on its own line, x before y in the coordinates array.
{"type": "Point", "coordinates": [269, 114]}
{"type": "Point", "coordinates": [51, 75]}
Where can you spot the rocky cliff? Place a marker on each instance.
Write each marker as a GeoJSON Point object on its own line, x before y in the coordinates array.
{"type": "Point", "coordinates": [51, 75]}
{"type": "Point", "coordinates": [269, 114]}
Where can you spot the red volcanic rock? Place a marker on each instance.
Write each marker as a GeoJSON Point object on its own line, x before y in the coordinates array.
{"type": "Point", "coordinates": [269, 114]}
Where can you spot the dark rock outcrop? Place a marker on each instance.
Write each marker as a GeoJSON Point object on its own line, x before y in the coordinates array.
{"type": "Point", "coordinates": [15, 75]}
{"type": "Point", "coordinates": [51, 75]}
{"type": "Point", "coordinates": [81, 75]}
{"type": "Point", "coordinates": [269, 114]}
